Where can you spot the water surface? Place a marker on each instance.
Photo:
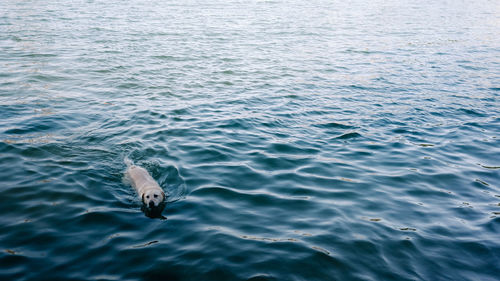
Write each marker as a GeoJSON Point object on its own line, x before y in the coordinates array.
{"type": "Point", "coordinates": [297, 140]}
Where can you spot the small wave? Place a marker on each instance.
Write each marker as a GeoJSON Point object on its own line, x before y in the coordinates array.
{"type": "Point", "coordinates": [333, 125]}
{"type": "Point", "coordinates": [145, 244]}
{"type": "Point", "coordinates": [252, 198]}
{"type": "Point", "coordinates": [490, 167]}
{"type": "Point", "coordinates": [351, 135]}
{"type": "Point", "coordinates": [473, 112]}
{"type": "Point", "coordinates": [39, 55]}
{"type": "Point", "coordinates": [262, 277]}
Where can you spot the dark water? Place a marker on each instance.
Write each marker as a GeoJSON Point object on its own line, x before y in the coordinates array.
{"type": "Point", "coordinates": [297, 140]}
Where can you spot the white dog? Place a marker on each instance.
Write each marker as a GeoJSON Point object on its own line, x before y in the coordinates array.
{"type": "Point", "coordinates": [147, 188]}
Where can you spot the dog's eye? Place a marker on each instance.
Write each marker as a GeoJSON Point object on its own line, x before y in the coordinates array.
{"type": "Point", "coordinates": [156, 196]}
{"type": "Point", "coordinates": [147, 196]}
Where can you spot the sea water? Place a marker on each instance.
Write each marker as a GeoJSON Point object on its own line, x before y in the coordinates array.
{"type": "Point", "coordinates": [296, 140]}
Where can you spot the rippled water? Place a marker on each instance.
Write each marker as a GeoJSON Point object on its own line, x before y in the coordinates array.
{"type": "Point", "coordinates": [297, 140]}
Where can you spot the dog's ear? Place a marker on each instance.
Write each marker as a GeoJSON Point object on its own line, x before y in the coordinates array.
{"type": "Point", "coordinates": [163, 193]}
{"type": "Point", "coordinates": [143, 198]}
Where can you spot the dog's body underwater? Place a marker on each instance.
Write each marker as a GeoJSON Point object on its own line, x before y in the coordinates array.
{"type": "Point", "coordinates": [147, 188]}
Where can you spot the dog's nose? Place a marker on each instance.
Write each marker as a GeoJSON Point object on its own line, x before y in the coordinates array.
{"type": "Point", "coordinates": [151, 204]}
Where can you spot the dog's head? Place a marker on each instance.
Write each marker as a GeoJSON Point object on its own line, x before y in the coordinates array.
{"type": "Point", "coordinates": [153, 198]}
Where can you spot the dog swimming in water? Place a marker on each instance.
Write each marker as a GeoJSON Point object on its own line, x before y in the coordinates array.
{"type": "Point", "coordinates": [150, 192]}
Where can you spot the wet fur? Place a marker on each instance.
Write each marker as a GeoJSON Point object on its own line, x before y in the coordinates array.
{"type": "Point", "coordinates": [150, 192]}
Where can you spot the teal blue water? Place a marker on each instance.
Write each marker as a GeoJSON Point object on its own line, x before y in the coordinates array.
{"type": "Point", "coordinates": [296, 140]}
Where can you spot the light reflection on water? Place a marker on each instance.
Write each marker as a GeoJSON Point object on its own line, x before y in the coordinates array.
{"type": "Point", "coordinates": [298, 140]}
